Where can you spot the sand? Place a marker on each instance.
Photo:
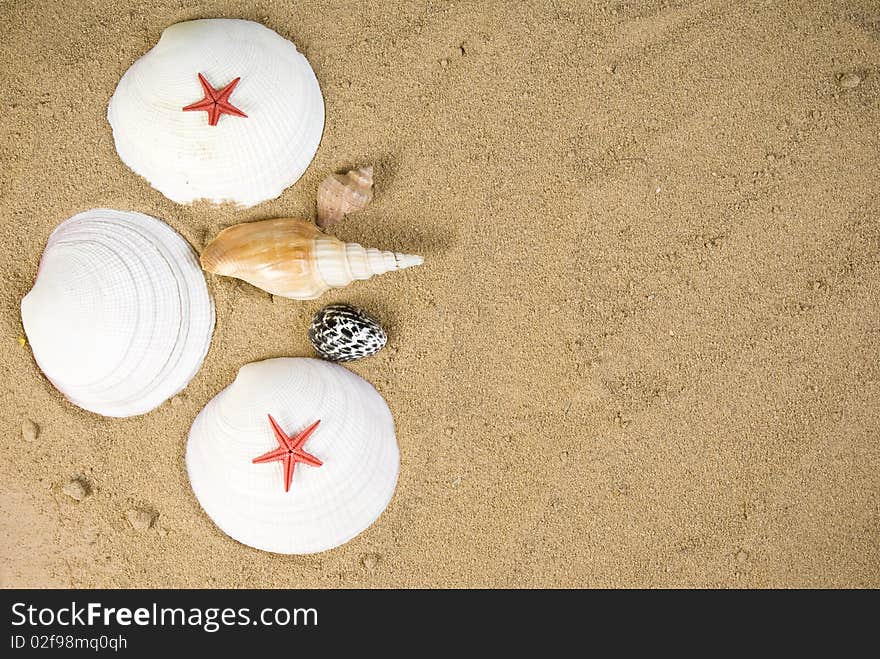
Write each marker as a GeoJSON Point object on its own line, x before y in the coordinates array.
{"type": "Point", "coordinates": [642, 351]}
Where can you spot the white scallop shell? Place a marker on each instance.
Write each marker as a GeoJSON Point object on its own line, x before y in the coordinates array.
{"type": "Point", "coordinates": [119, 318]}
{"type": "Point", "coordinates": [327, 505]}
{"type": "Point", "coordinates": [240, 160]}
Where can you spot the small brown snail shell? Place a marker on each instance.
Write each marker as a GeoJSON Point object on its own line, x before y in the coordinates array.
{"type": "Point", "coordinates": [342, 194]}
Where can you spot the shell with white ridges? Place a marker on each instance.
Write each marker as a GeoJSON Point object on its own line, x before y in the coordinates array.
{"type": "Point", "coordinates": [326, 505]}
{"type": "Point", "coordinates": [292, 258]}
{"type": "Point", "coordinates": [343, 333]}
{"type": "Point", "coordinates": [119, 318]}
{"type": "Point", "coordinates": [342, 194]}
{"type": "Point", "coordinates": [240, 160]}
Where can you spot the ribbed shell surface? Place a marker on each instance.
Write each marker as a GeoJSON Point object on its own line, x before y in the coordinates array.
{"type": "Point", "coordinates": [327, 505]}
{"type": "Point", "coordinates": [240, 160]}
{"type": "Point", "coordinates": [119, 318]}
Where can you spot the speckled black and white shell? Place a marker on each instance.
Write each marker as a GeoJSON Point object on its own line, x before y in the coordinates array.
{"type": "Point", "coordinates": [342, 333]}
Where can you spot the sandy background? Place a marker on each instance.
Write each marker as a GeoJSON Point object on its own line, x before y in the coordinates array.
{"type": "Point", "coordinates": [643, 350]}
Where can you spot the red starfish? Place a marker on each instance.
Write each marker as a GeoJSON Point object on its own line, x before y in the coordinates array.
{"type": "Point", "coordinates": [216, 102]}
{"type": "Point", "coordinates": [290, 451]}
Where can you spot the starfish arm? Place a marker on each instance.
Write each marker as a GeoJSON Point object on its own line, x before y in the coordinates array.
{"type": "Point", "coordinates": [271, 456]}
{"type": "Point", "coordinates": [210, 92]}
{"type": "Point", "coordinates": [224, 94]}
{"type": "Point", "coordinates": [301, 438]}
{"type": "Point", "coordinates": [204, 104]}
{"type": "Point", "coordinates": [280, 435]}
{"type": "Point", "coordinates": [230, 109]}
{"type": "Point", "coordinates": [289, 464]}
{"type": "Point", "coordinates": [307, 458]}
{"type": "Point", "coordinates": [214, 115]}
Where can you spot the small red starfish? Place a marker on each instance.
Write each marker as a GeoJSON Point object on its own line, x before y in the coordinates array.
{"type": "Point", "coordinates": [216, 102]}
{"type": "Point", "coordinates": [290, 451]}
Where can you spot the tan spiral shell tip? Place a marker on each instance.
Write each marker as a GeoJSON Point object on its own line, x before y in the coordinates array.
{"type": "Point", "coordinates": [407, 260]}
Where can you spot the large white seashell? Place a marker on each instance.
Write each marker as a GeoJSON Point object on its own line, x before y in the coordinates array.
{"type": "Point", "coordinates": [119, 318]}
{"type": "Point", "coordinates": [240, 160]}
{"type": "Point", "coordinates": [327, 505]}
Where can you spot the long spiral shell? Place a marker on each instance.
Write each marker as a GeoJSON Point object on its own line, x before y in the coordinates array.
{"type": "Point", "coordinates": [291, 258]}
{"type": "Point", "coordinates": [342, 194]}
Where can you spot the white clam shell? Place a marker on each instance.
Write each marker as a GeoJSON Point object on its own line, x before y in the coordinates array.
{"type": "Point", "coordinates": [240, 160]}
{"type": "Point", "coordinates": [327, 505]}
{"type": "Point", "coordinates": [119, 318]}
